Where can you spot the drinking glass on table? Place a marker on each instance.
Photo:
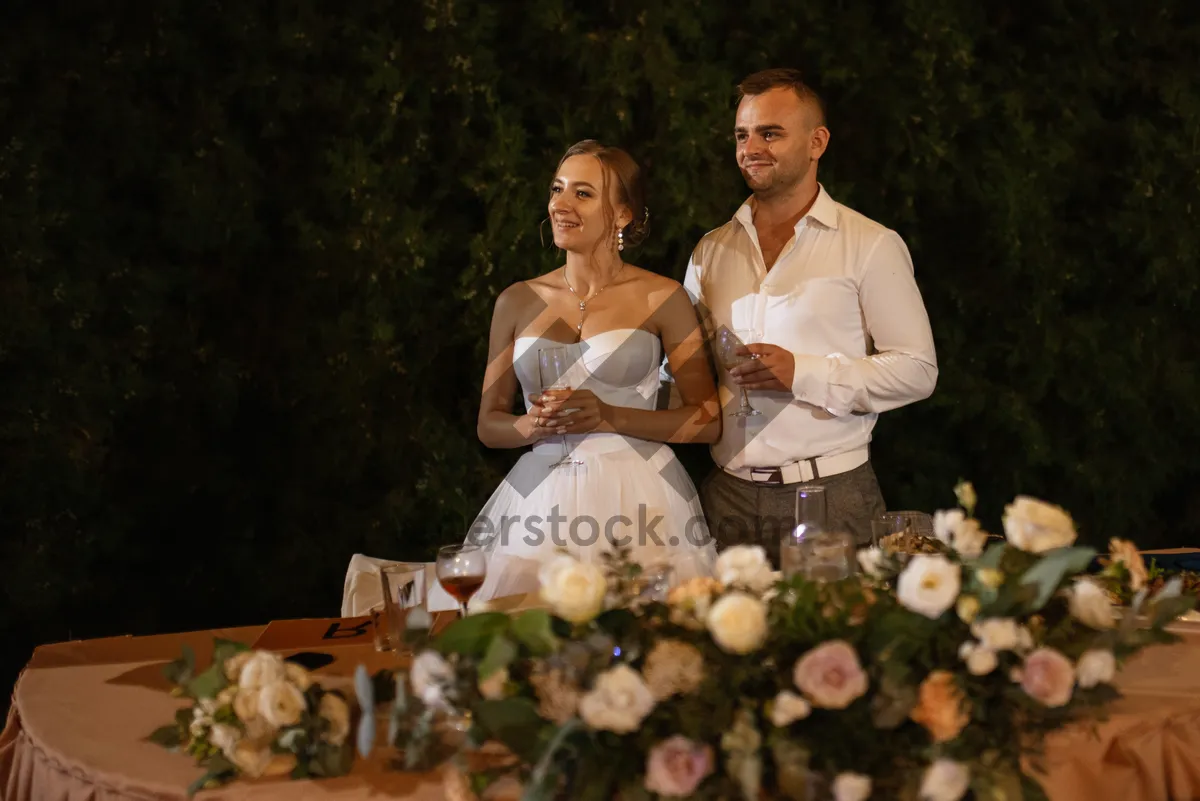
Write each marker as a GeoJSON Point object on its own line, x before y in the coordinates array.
{"type": "Point", "coordinates": [728, 343]}
{"type": "Point", "coordinates": [554, 365]}
{"type": "Point", "coordinates": [461, 570]}
{"type": "Point", "coordinates": [403, 587]}
{"type": "Point", "coordinates": [810, 521]}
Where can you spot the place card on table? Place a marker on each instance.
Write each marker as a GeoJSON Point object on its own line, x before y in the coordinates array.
{"type": "Point", "coordinates": [284, 635]}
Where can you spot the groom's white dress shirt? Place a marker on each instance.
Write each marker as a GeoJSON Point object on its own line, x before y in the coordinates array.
{"type": "Point", "coordinates": [842, 299]}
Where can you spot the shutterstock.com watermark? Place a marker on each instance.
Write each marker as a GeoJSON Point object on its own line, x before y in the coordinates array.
{"type": "Point", "coordinates": [620, 531]}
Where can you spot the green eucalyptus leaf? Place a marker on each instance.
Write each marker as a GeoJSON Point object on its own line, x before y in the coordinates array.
{"type": "Point", "coordinates": [472, 635]}
{"type": "Point", "coordinates": [169, 737]}
{"type": "Point", "coordinates": [1049, 571]}
{"type": "Point", "coordinates": [514, 722]}
{"type": "Point", "coordinates": [208, 683]}
{"type": "Point", "coordinates": [533, 629]}
{"type": "Point", "coordinates": [500, 654]}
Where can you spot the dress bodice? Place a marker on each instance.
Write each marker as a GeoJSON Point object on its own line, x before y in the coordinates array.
{"type": "Point", "coordinates": [621, 366]}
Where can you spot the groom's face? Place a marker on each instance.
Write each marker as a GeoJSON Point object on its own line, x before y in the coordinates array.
{"type": "Point", "coordinates": [774, 133]}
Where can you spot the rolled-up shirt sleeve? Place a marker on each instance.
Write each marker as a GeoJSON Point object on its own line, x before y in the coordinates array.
{"type": "Point", "coordinates": [901, 365]}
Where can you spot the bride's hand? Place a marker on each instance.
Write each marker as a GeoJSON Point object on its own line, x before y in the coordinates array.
{"type": "Point", "coordinates": [583, 411]}
{"type": "Point", "coordinates": [541, 420]}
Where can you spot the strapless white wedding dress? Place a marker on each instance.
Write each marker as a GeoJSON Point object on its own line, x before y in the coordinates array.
{"type": "Point", "coordinates": [627, 492]}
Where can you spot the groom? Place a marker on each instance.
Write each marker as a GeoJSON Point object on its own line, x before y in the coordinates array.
{"type": "Point", "coordinates": [842, 333]}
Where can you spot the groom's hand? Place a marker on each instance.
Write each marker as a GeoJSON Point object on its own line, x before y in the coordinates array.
{"type": "Point", "coordinates": [773, 368]}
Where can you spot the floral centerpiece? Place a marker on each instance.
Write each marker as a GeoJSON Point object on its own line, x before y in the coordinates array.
{"type": "Point", "coordinates": [932, 679]}
{"type": "Point", "coordinates": [254, 714]}
{"type": "Point", "coordinates": [1125, 574]}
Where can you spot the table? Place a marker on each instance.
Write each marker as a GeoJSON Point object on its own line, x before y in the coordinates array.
{"type": "Point", "coordinates": [81, 711]}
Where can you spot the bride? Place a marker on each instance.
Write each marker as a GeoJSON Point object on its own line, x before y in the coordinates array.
{"type": "Point", "coordinates": [599, 473]}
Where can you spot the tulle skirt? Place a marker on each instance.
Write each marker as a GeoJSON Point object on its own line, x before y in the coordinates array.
{"type": "Point", "coordinates": [626, 493]}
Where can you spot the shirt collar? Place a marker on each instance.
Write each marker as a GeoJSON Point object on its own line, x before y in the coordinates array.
{"type": "Point", "coordinates": [824, 210]}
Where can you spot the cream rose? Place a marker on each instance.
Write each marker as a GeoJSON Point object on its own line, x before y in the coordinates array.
{"type": "Point", "coordinates": [1096, 666]}
{"type": "Point", "coordinates": [619, 701]}
{"type": "Point", "coordinates": [250, 758]}
{"type": "Point", "coordinates": [297, 675]}
{"type": "Point", "coordinates": [281, 704]}
{"type": "Point", "coordinates": [830, 675]}
{"type": "Point", "coordinates": [1124, 552]}
{"type": "Point", "coordinates": [235, 663]}
{"type": "Point", "coordinates": [945, 780]}
{"type": "Point", "coordinates": [745, 567]}
{"type": "Point", "coordinates": [224, 737]}
{"type": "Point", "coordinates": [245, 705]}
{"type": "Point", "coordinates": [970, 539]}
{"type": "Point", "coordinates": [429, 675]}
{"type": "Point", "coordinates": [929, 585]}
{"type": "Point", "coordinates": [980, 660]}
{"type": "Point", "coordinates": [574, 590]}
{"type": "Point", "coordinates": [1036, 526]}
{"type": "Point", "coordinates": [336, 711]}
{"type": "Point", "coordinates": [738, 623]}
{"type": "Point", "coordinates": [691, 601]}
{"type": "Point", "coordinates": [997, 633]}
{"type": "Point", "coordinates": [1090, 605]}
{"type": "Point", "coordinates": [946, 522]}
{"type": "Point", "coordinates": [851, 787]}
{"type": "Point", "coordinates": [261, 669]}
{"type": "Point", "coordinates": [787, 708]}
{"type": "Point", "coordinates": [871, 561]}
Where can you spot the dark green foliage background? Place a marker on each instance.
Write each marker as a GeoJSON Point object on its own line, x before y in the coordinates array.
{"type": "Point", "coordinates": [249, 253]}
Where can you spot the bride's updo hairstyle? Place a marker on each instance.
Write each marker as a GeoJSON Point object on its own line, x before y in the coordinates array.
{"type": "Point", "coordinates": [618, 166]}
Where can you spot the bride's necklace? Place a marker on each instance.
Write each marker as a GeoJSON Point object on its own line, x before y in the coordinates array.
{"type": "Point", "coordinates": [583, 302]}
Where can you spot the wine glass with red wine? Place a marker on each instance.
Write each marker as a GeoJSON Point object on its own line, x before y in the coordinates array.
{"type": "Point", "coordinates": [461, 569]}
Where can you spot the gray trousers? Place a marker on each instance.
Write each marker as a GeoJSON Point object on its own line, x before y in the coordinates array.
{"type": "Point", "coordinates": [743, 512]}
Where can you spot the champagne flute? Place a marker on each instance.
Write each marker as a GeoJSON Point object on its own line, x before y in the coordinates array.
{"type": "Point", "coordinates": [728, 343]}
{"type": "Point", "coordinates": [554, 364]}
{"type": "Point", "coordinates": [461, 570]}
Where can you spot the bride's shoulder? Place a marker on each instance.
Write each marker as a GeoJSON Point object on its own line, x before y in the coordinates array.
{"type": "Point", "coordinates": [651, 281]}
{"type": "Point", "coordinates": [531, 291]}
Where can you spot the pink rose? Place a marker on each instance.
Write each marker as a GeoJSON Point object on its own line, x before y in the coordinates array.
{"type": "Point", "coordinates": [830, 675]}
{"type": "Point", "coordinates": [676, 766]}
{"type": "Point", "coordinates": [1048, 677]}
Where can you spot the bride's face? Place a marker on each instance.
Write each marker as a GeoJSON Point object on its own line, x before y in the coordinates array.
{"type": "Point", "coordinates": [581, 218]}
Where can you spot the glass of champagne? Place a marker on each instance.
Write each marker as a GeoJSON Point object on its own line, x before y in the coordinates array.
{"type": "Point", "coordinates": [461, 570]}
{"type": "Point", "coordinates": [728, 343]}
{"type": "Point", "coordinates": [554, 365]}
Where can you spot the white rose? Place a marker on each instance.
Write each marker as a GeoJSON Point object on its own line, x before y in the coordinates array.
{"type": "Point", "coordinates": [738, 623]}
{"type": "Point", "coordinates": [1090, 605]}
{"type": "Point", "coordinates": [574, 590]}
{"type": "Point", "coordinates": [788, 708]}
{"type": "Point", "coordinates": [980, 660]}
{"type": "Point", "coordinates": [225, 737]}
{"type": "Point", "coordinates": [336, 711]}
{"type": "Point", "coordinates": [1036, 526]}
{"type": "Point", "coordinates": [745, 566]}
{"type": "Point", "coordinates": [281, 704]}
{"type": "Point", "coordinates": [851, 787]}
{"type": "Point", "coordinates": [429, 674]}
{"type": "Point", "coordinates": [929, 585]}
{"type": "Point", "coordinates": [261, 669]}
{"type": "Point", "coordinates": [997, 633]}
{"type": "Point", "coordinates": [297, 675]}
{"type": "Point", "coordinates": [1096, 666]}
{"type": "Point", "coordinates": [946, 523]}
{"type": "Point", "coordinates": [945, 780]}
{"type": "Point", "coordinates": [871, 561]}
{"type": "Point", "coordinates": [619, 701]}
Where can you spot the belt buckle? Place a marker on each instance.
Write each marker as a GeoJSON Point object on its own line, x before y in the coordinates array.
{"type": "Point", "coordinates": [766, 475]}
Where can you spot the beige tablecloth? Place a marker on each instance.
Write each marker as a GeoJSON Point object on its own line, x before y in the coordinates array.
{"type": "Point", "coordinates": [81, 711]}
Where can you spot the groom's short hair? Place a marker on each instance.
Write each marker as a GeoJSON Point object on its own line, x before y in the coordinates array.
{"type": "Point", "coordinates": [782, 78]}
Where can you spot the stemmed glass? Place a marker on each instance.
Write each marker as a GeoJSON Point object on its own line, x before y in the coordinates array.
{"type": "Point", "coordinates": [728, 343]}
{"type": "Point", "coordinates": [554, 365]}
{"type": "Point", "coordinates": [461, 570]}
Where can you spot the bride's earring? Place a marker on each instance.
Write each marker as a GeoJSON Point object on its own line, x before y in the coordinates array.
{"type": "Point", "coordinates": [620, 239]}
